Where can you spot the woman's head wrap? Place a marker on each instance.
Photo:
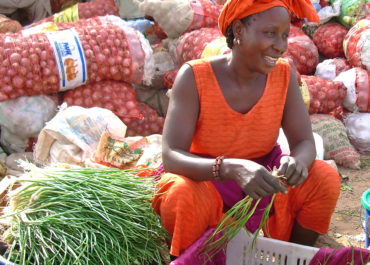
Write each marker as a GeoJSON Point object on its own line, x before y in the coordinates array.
{"type": "Point", "coordinates": [238, 9]}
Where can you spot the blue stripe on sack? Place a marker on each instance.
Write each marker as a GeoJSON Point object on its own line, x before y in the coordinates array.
{"type": "Point", "coordinates": [82, 59]}
{"type": "Point", "coordinates": [63, 79]}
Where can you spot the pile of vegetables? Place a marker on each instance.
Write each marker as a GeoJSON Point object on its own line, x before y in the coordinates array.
{"type": "Point", "coordinates": [119, 97]}
{"type": "Point", "coordinates": [29, 64]}
{"type": "Point", "coordinates": [71, 215]}
{"type": "Point", "coordinates": [82, 11]}
{"type": "Point", "coordinates": [329, 40]}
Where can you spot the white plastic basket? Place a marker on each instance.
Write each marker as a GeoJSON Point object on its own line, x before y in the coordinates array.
{"type": "Point", "coordinates": [266, 252]}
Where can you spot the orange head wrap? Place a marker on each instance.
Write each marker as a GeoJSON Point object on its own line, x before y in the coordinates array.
{"type": "Point", "coordinates": [238, 9]}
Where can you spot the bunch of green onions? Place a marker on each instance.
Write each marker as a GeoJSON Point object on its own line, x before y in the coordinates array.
{"type": "Point", "coordinates": [84, 216]}
{"type": "Point", "coordinates": [234, 220]}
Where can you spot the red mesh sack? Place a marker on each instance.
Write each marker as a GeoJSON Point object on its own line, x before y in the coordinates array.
{"type": "Point", "coordinates": [59, 5]}
{"type": "Point", "coordinates": [295, 31]}
{"type": "Point", "coordinates": [82, 11]}
{"type": "Point", "coordinates": [151, 123]}
{"type": "Point", "coordinates": [355, 44]}
{"type": "Point", "coordinates": [303, 53]}
{"type": "Point", "coordinates": [329, 40]}
{"type": "Point", "coordinates": [118, 97]}
{"type": "Point", "coordinates": [58, 61]}
{"type": "Point", "coordinates": [177, 17]}
{"type": "Point", "coordinates": [341, 65]}
{"type": "Point", "coordinates": [325, 95]}
{"type": "Point", "coordinates": [9, 25]}
{"type": "Point", "coordinates": [169, 78]}
{"type": "Point", "coordinates": [191, 45]}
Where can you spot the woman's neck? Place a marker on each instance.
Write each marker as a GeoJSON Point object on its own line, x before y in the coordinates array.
{"type": "Point", "coordinates": [238, 70]}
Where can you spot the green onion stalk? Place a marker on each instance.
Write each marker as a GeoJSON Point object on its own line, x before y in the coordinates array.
{"type": "Point", "coordinates": [235, 219]}
{"type": "Point", "coordinates": [72, 215]}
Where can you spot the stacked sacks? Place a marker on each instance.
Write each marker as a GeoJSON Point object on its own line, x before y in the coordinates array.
{"type": "Point", "coordinates": [179, 16]}
{"type": "Point", "coordinates": [329, 40]}
{"type": "Point", "coordinates": [45, 63]}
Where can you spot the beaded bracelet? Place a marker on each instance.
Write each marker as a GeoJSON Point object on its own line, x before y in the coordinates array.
{"type": "Point", "coordinates": [216, 168]}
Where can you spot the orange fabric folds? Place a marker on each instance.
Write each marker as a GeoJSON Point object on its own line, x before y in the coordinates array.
{"type": "Point", "coordinates": [238, 9]}
{"type": "Point", "coordinates": [187, 208]}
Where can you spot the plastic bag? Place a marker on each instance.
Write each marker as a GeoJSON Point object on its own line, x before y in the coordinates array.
{"type": "Point", "coordinates": [26, 116]}
{"type": "Point", "coordinates": [356, 81]}
{"type": "Point", "coordinates": [358, 129]}
{"type": "Point", "coordinates": [163, 62]}
{"type": "Point", "coordinates": [356, 44]}
{"type": "Point", "coordinates": [12, 143]}
{"type": "Point", "coordinates": [327, 12]}
{"type": "Point", "coordinates": [58, 61]}
{"type": "Point", "coordinates": [325, 95]}
{"type": "Point", "coordinates": [9, 25]}
{"type": "Point", "coordinates": [118, 97]}
{"type": "Point", "coordinates": [129, 9]}
{"type": "Point", "coordinates": [303, 53]}
{"type": "Point", "coordinates": [179, 16]}
{"type": "Point", "coordinates": [329, 40]}
{"type": "Point", "coordinates": [329, 69]}
{"type": "Point", "coordinates": [336, 143]}
{"type": "Point", "coordinates": [350, 11]}
{"type": "Point", "coordinates": [73, 134]}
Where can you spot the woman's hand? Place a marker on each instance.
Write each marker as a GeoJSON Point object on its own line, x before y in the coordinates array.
{"type": "Point", "coordinates": [295, 171]}
{"type": "Point", "coordinates": [255, 180]}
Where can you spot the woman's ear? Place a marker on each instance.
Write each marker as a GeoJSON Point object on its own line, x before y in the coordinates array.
{"type": "Point", "coordinates": [237, 28]}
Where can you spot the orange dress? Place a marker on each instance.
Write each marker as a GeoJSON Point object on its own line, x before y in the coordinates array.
{"type": "Point", "coordinates": [187, 208]}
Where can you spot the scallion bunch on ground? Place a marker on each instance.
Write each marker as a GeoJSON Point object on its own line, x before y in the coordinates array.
{"type": "Point", "coordinates": [83, 216]}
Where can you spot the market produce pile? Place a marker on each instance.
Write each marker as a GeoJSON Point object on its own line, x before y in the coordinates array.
{"type": "Point", "coordinates": [81, 85]}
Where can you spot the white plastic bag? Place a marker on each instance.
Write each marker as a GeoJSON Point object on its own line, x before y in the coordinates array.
{"type": "Point", "coordinates": [26, 116]}
{"type": "Point", "coordinates": [358, 129]}
{"type": "Point", "coordinates": [328, 12]}
{"type": "Point", "coordinates": [348, 78]}
{"type": "Point", "coordinates": [13, 143]}
{"type": "Point", "coordinates": [73, 134]}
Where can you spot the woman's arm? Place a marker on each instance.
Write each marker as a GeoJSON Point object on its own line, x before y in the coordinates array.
{"type": "Point", "coordinates": [297, 128]}
{"type": "Point", "coordinates": [179, 127]}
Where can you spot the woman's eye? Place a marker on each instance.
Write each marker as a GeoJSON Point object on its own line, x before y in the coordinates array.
{"type": "Point", "coordinates": [270, 33]}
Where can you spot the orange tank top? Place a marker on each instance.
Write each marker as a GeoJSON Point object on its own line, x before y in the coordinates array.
{"type": "Point", "coordinates": [220, 130]}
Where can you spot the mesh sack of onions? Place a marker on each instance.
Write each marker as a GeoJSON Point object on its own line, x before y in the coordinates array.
{"type": "Point", "coordinates": [118, 97]}
{"type": "Point", "coordinates": [59, 5]}
{"type": "Point", "coordinates": [303, 53]}
{"type": "Point", "coordinates": [169, 78]}
{"type": "Point", "coordinates": [325, 95]}
{"type": "Point", "coordinates": [295, 31]}
{"type": "Point", "coordinates": [9, 25]}
{"type": "Point", "coordinates": [58, 61]}
{"type": "Point", "coordinates": [180, 16]}
{"type": "Point", "coordinates": [151, 123]}
{"type": "Point", "coordinates": [191, 45]}
{"type": "Point", "coordinates": [329, 40]}
{"type": "Point", "coordinates": [355, 44]}
{"type": "Point", "coordinates": [356, 81]}
{"type": "Point", "coordinates": [81, 11]}
{"type": "Point", "coordinates": [336, 143]}
{"type": "Point", "coordinates": [331, 68]}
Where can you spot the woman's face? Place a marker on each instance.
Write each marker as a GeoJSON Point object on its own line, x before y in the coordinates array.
{"type": "Point", "coordinates": [263, 39]}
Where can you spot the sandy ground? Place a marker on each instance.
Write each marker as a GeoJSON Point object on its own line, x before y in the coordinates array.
{"type": "Point", "coordinates": [346, 227]}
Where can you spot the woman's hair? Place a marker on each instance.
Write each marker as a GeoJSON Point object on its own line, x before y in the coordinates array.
{"type": "Point", "coordinates": [230, 34]}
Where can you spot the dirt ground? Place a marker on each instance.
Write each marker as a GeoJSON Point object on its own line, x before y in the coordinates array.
{"type": "Point", "coordinates": [346, 224]}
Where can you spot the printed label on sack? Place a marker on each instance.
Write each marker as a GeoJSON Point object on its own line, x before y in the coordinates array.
{"type": "Point", "coordinates": [70, 58]}
{"type": "Point", "coordinates": [68, 15]}
{"type": "Point", "coordinates": [42, 28]}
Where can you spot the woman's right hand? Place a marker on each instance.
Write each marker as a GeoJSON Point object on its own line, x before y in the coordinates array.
{"type": "Point", "coordinates": [255, 180]}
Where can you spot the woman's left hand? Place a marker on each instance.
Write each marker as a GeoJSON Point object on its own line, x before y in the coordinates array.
{"type": "Point", "coordinates": [295, 171]}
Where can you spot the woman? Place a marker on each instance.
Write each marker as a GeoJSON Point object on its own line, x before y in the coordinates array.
{"type": "Point", "coordinates": [219, 140]}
